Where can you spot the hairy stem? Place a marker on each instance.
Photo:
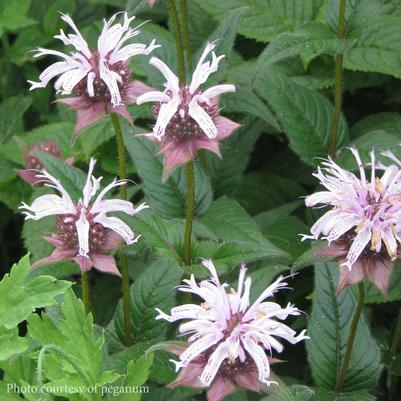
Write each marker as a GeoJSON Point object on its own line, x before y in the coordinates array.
{"type": "Point", "coordinates": [65, 356]}
{"type": "Point", "coordinates": [122, 162]}
{"type": "Point", "coordinates": [338, 94]}
{"type": "Point", "coordinates": [185, 30]}
{"type": "Point", "coordinates": [190, 177]}
{"type": "Point", "coordinates": [85, 291]}
{"type": "Point", "coordinates": [351, 338]}
{"type": "Point", "coordinates": [392, 379]}
{"type": "Point", "coordinates": [178, 40]}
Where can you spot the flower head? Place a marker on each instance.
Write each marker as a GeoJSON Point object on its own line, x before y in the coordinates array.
{"type": "Point", "coordinates": [85, 232]}
{"type": "Point", "coordinates": [100, 79]}
{"type": "Point", "coordinates": [363, 225]}
{"type": "Point", "coordinates": [229, 337]}
{"type": "Point", "coordinates": [32, 163]}
{"type": "Point", "coordinates": [188, 118]}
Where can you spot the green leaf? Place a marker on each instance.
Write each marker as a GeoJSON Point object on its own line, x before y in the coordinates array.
{"type": "Point", "coordinates": [20, 298]}
{"type": "Point", "coordinates": [389, 122]}
{"type": "Point", "coordinates": [11, 343]}
{"type": "Point", "coordinates": [13, 15]}
{"type": "Point", "coordinates": [304, 114]}
{"type": "Point", "coordinates": [264, 19]}
{"type": "Point", "coordinates": [329, 329]}
{"type": "Point", "coordinates": [292, 393]}
{"type": "Point", "coordinates": [137, 374]}
{"type": "Point", "coordinates": [12, 111]}
{"type": "Point", "coordinates": [154, 288]}
{"type": "Point", "coordinates": [74, 334]}
{"type": "Point", "coordinates": [225, 36]}
{"type": "Point", "coordinates": [377, 48]}
{"type": "Point", "coordinates": [167, 200]}
{"type": "Point", "coordinates": [308, 41]}
{"type": "Point", "coordinates": [325, 395]}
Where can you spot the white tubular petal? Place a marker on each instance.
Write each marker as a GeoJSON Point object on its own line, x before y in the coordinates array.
{"type": "Point", "coordinates": [258, 355]}
{"type": "Point", "coordinates": [197, 75]}
{"type": "Point", "coordinates": [244, 303]}
{"type": "Point", "coordinates": [70, 79]}
{"type": "Point", "coordinates": [82, 226]}
{"type": "Point", "coordinates": [153, 96]}
{"type": "Point", "coordinates": [322, 222]}
{"type": "Point", "coordinates": [341, 226]}
{"type": "Point", "coordinates": [166, 112]}
{"type": "Point", "coordinates": [92, 184]}
{"type": "Point", "coordinates": [118, 226]}
{"type": "Point", "coordinates": [359, 244]}
{"type": "Point", "coordinates": [187, 311]}
{"type": "Point", "coordinates": [53, 70]}
{"type": "Point", "coordinates": [114, 205]}
{"type": "Point", "coordinates": [46, 205]}
{"type": "Point", "coordinates": [210, 266]}
{"type": "Point", "coordinates": [172, 80]}
{"type": "Point", "coordinates": [40, 51]}
{"type": "Point", "coordinates": [390, 241]}
{"type": "Point", "coordinates": [134, 49]}
{"type": "Point", "coordinates": [199, 346]}
{"type": "Point", "coordinates": [360, 165]}
{"type": "Point", "coordinates": [91, 78]}
{"type": "Point", "coordinates": [324, 197]}
{"type": "Point", "coordinates": [78, 41]}
{"type": "Point", "coordinates": [202, 118]}
{"type": "Point", "coordinates": [218, 90]}
{"type": "Point", "coordinates": [111, 78]}
{"type": "Point", "coordinates": [241, 279]}
{"type": "Point", "coordinates": [214, 363]}
{"type": "Point", "coordinates": [196, 326]}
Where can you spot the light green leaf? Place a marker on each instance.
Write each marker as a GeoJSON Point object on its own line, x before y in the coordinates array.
{"type": "Point", "coordinates": [329, 329]}
{"type": "Point", "coordinates": [292, 393]}
{"type": "Point", "coordinates": [137, 374]}
{"type": "Point", "coordinates": [11, 343]}
{"type": "Point", "coordinates": [20, 298]}
{"type": "Point", "coordinates": [304, 114]}
{"type": "Point", "coordinates": [13, 15]}
{"type": "Point", "coordinates": [153, 289]}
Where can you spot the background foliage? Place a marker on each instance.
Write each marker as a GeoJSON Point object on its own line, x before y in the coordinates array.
{"type": "Point", "coordinates": [280, 56]}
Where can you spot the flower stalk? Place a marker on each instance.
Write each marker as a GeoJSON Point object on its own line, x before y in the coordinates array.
{"type": "Point", "coordinates": [190, 177]}
{"type": "Point", "coordinates": [338, 95]}
{"type": "Point", "coordinates": [185, 29]}
{"type": "Point", "coordinates": [392, 379]}
{"type": "Point", "coordinates": [85, 292]}
{"type": "Point", "coordinates": [351, 339]}
{"type": "Point", "coordinates": [122, 163]}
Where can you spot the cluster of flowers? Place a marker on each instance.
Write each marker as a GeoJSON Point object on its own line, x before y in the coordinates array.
{"type": "Point", "coordinates": [229, 336]}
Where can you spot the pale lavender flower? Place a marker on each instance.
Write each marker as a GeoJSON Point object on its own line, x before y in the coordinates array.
{"type": "Point", "coordinates": [363, 225]}
{"type": "Point", "coordinates": [229, 337]}
{"type": "Point", "coordinates": [86, 234]}
{"type": "Point", "coordinates": [100, 79]}
{"type": "Point", "coordinates": [188, 118]}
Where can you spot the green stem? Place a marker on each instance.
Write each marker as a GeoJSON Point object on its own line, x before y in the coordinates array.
{"type": "Point", "coordinates": [338, 94]}
{"type": "Point", "coordinates": [178, 40]}
{"type": "Point", "coordinates": [122, 162]}
{"type": "Point", "coordinates": [185, 30]}
{"type": "Point", "coordinates": [352, 333]}
{"type": "Point", "coordinates": [85, 292]}
{"type": "Point", "coordinates": [190, 177]}
{"type": "Point", "coordinates": [393, 352]}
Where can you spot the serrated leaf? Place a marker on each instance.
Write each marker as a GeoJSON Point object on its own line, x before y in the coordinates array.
{"type": "Point", "coordinates": [153, 289]}
{"type": "Point", "coordinates": [73, 334]}
{"type": "Point", "coordinates": [329, 327]}
{"type": "Point", "coordinates": [12, 111]}
{"type": "Point", "coordinates": [11, 343]}
{"type": "Point", "coordinates": [304, 114]}
{"type": "Point", "coordinates": [168, 199]}
{"type": "Point", "coordinates": [388, 122]}
{"type": "Point", "coordinates": [264, 19]}
{"type": "Point", "coordinates": [137, 374]}
{"type": "Point", "coordinates": [20, 298]}
{"type": "Point", "coordinates": [308, 41]}
{"type": "Point", "coordinates": [377, 48]}
{"type": "Point", "coordinates": [13, 15]}
{"type": "Point", "coordinates": [292, 393]}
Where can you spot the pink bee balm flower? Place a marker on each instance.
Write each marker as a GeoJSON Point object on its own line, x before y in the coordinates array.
{"type": "Point", "coordinates": [100, 79]}
{"type": "Point", "coordinates": [228, 336]}
{"type": "Point", "coordinates": [85, 232]}
{"type": "Point", "coordinates": [32, 163]}
{"type": "Point", "coordinates": [363, 225]}
{"type": "Point", "coordinates": [188, 118]}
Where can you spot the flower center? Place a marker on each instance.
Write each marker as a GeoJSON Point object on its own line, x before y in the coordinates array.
{"type": "Point", "coordinates": [100, 89]}
{"type": "Point", "coordinates": [67, 231]}
{"type": "Point", "coordinates": [32, 162]}
{"type": "Point", "coordinates": [182, 126]}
